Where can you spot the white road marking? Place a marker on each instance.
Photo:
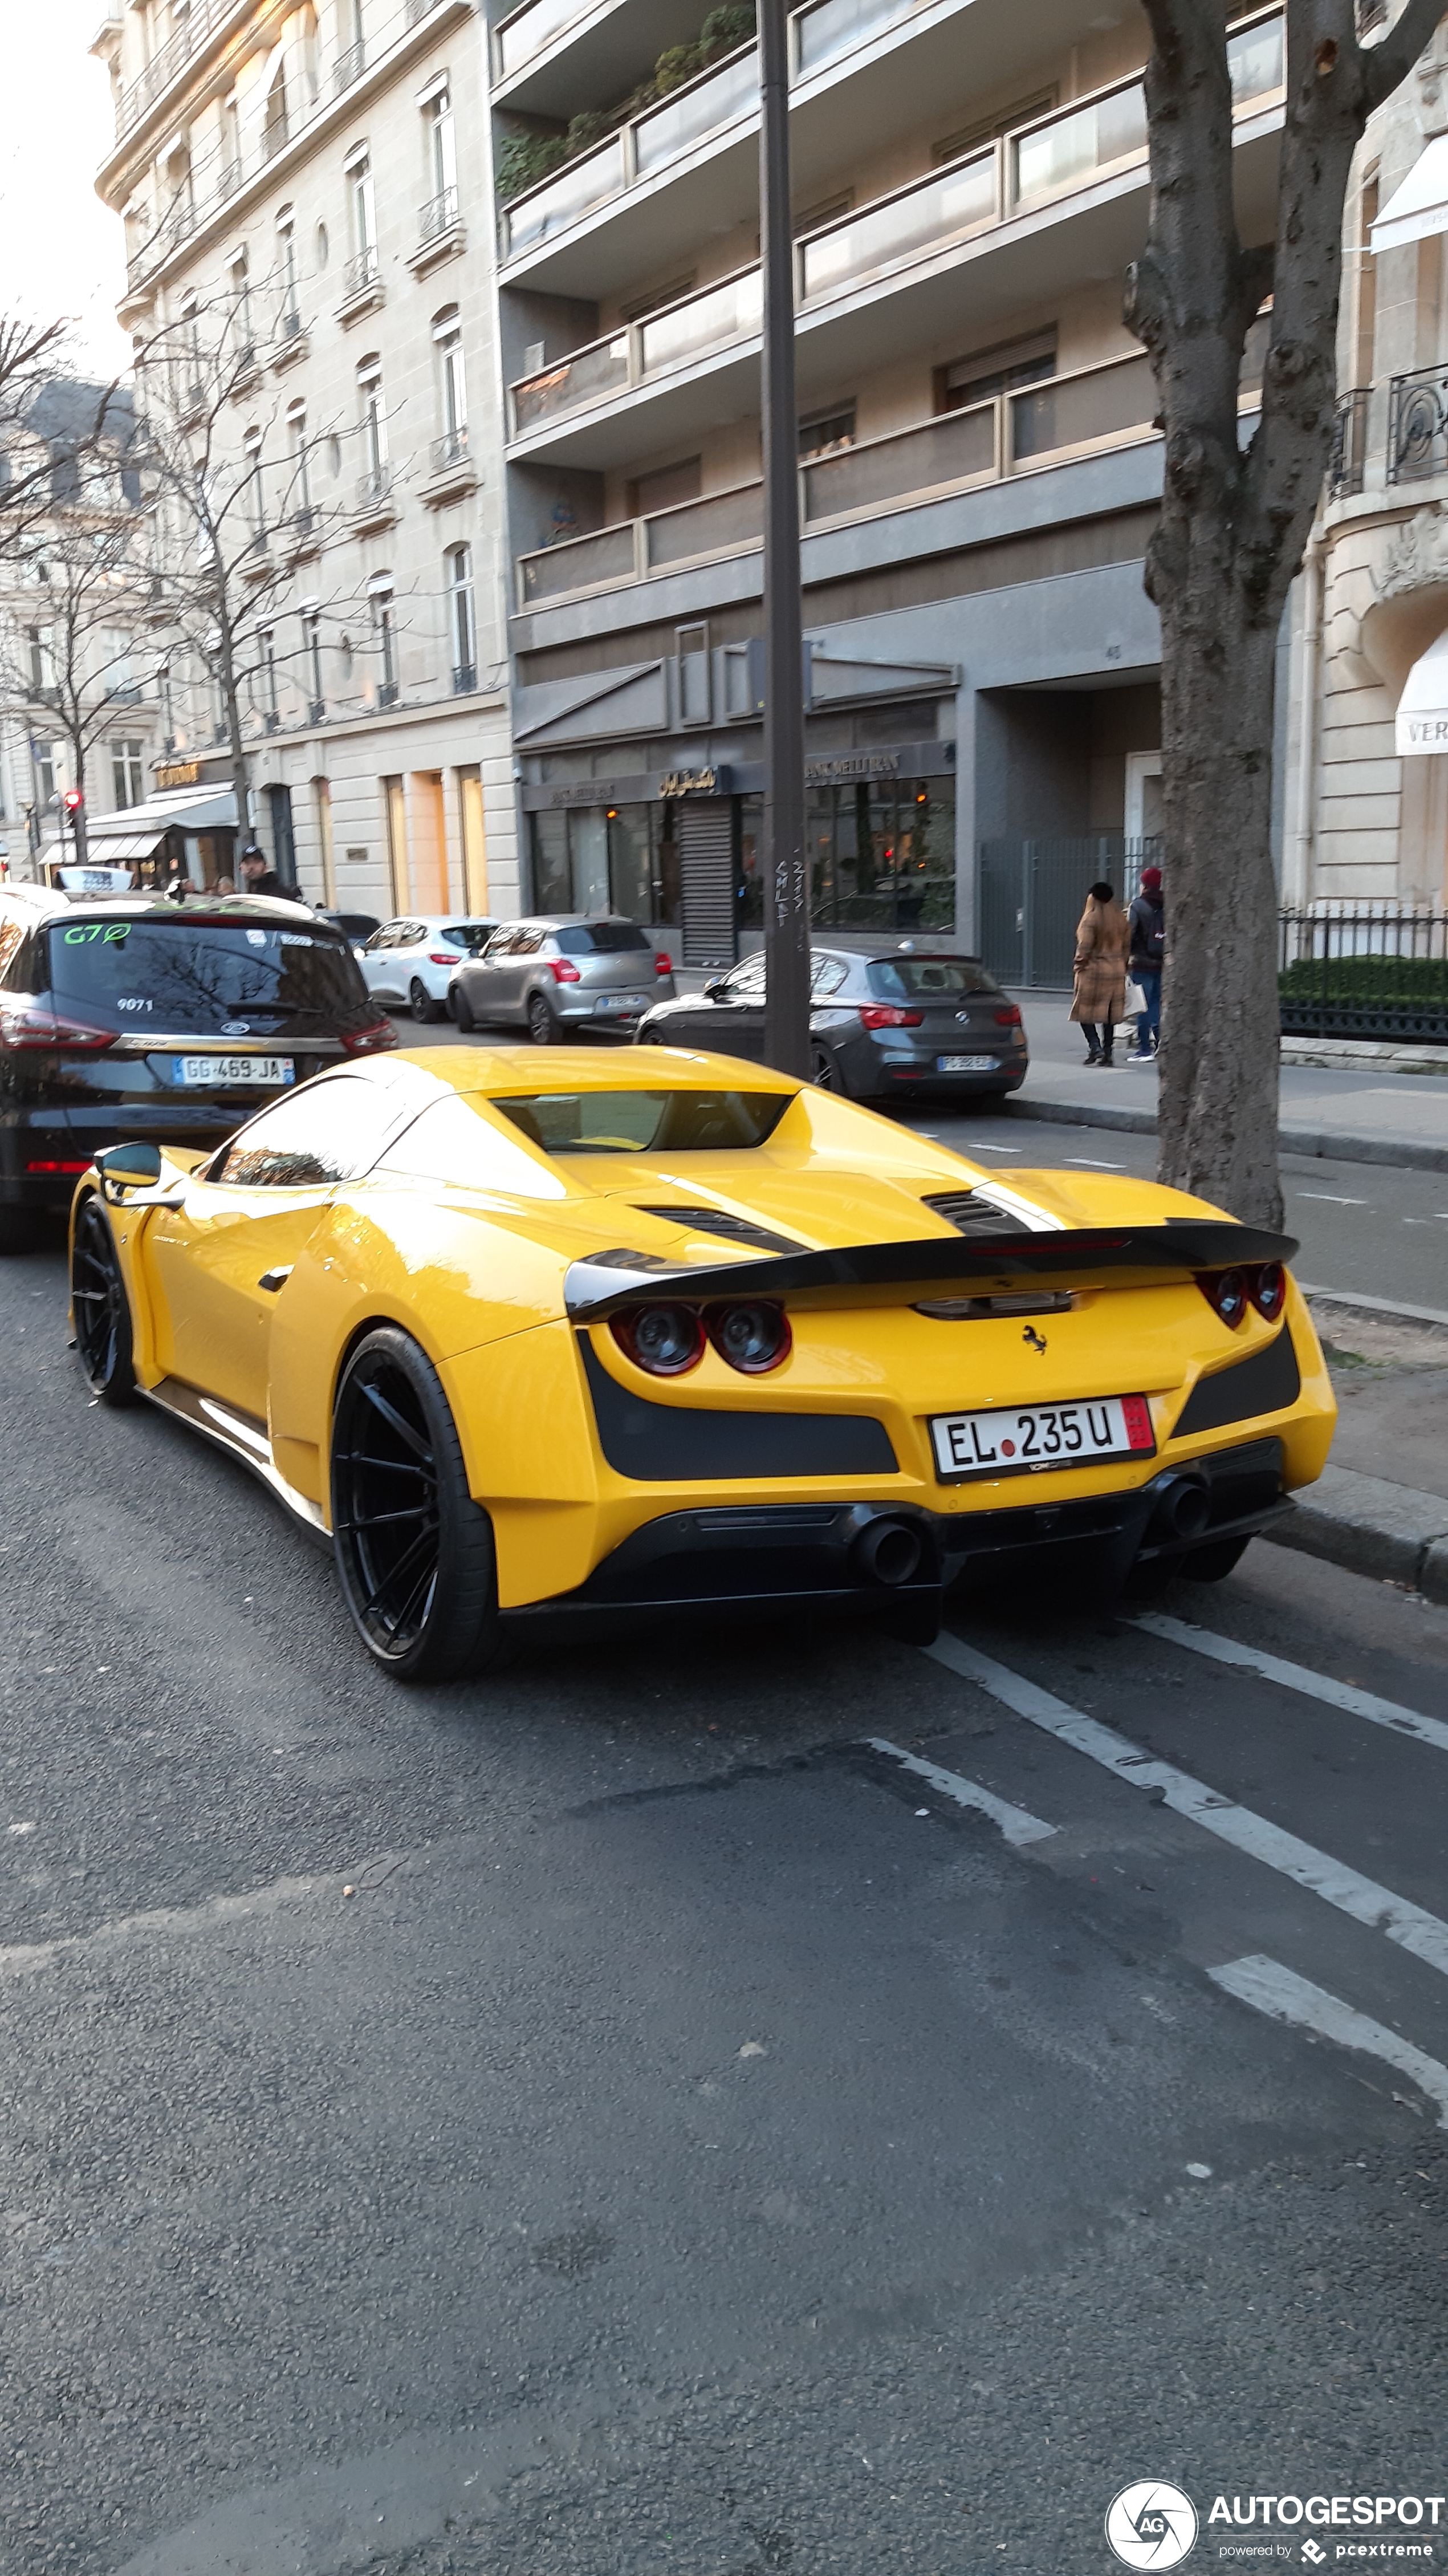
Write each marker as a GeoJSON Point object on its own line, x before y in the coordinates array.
{"type": "Point", "coordinates": [1409, 1925]}
{"type": "Point", "coordinates": [1330, 1198]}
{"type": "Point", "coordinates": [1297, 1677]}
{"type": "Point", "coordinates": [1014, 1822]}
{"type": "Point", "coordinates": [1089, 1163]}
{"type": "Point", "coordinates": [1278, 1992]}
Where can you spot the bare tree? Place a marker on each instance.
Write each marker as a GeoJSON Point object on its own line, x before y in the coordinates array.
{"type": "Point", "coordinates": [1233, 526]}
{"type": "Point", "coordinates": [234, 517]}
{"type": "Point", "coordinates": [35, 364]}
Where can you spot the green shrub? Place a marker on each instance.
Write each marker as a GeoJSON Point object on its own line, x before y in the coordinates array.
{"type": "Point", "coordinates": [724, 29]}
{"type": "Point", "coordinates": [1362, 982]}
{"type": "Point", "coordinates": [524, 159]}
{"type": "Point", "coordinates": [676, 64]}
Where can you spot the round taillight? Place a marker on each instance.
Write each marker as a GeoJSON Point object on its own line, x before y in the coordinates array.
{"type": "Point", "coordinates": [1269, 1290]}
{"type": "Point", "coordinates": [1226, 1292]}
{"type": "Point", "coordinates": [752, 1337]}
{"type": "Point", "coordinates": [665, 1340]}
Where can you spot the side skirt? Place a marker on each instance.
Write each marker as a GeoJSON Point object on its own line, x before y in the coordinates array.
{"type": "Point", "coordinates": [243, 1438]}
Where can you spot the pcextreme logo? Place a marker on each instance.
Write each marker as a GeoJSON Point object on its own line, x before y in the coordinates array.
{"type": "Point", "coordinates": [1151, 2524]}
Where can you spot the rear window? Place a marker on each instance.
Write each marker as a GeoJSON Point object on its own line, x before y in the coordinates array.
{"type": "Point", "coordinates": [196, 975]}
{"type": "Point", "coordinates": [599, 939]}
{"type": "Point", "coordinates": [471, 935]}
{"type": "Point", "coordinates": [646, 1122]}
{"type": "Point", "coordinates": [915, 979]}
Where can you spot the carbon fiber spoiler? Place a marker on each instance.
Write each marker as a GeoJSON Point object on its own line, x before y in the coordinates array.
{"type": "Point", "coordinates": [595, 1289]}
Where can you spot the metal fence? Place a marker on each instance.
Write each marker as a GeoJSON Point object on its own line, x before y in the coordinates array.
{"type": "Point", "coordinates": [1030, 895]}
{"type": "Point", "coordinates": [1369, 971]}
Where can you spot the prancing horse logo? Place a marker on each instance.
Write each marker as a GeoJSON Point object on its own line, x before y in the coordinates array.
{"type": "Point", "coordinates": [1036, 1340]}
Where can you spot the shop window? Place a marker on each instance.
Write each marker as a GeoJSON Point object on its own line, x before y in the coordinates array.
{"type": "Point", "coordinates": [999, 370]}
{"type": "Point", "coordinates": [882, 856]}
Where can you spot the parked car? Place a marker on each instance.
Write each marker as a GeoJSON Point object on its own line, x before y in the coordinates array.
{"type": "Point", "coordinates": [904, 1020]}
{"type": "Point", "coordinates": [355, 926]}
{"type": "Point", "coordinates": [413, 958]}
{"type": "Point", "coordinates": [554, 976]}
{"type": "Point", "coordinates": [136, 1016]}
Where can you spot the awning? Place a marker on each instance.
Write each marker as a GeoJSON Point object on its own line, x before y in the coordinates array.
{"type": "Point", "coordinates": [1423, 706]}
{"type": "Point", "coordinates": [122, 849]}
{"type": "Point", "coordinates": [1420, 206]}
{"type": "Point", "coordinates": [183, 809]}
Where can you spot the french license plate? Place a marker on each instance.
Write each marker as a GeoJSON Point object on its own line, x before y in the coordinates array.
{"type": "Point", "coordinates": [965, 1064]}
{"type": "Point", "coordinates": [622, 1002]}
{"type": "Point", "coordinates": [1024, 1439]}
{"type": "Point", "coordinates": [227, 1072]}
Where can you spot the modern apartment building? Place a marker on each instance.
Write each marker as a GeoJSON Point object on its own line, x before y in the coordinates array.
{"type": "Point", "coordinates": [306, 197]}
{"type": "Point", "coordinates": [978, 467]}
{"type": "Point", "coordinates": [1367, 810]}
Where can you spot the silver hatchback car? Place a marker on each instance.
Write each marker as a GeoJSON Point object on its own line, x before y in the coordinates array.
{"type": "Point", "coordinates": [906, 1021]}
{"type": "Point", "coordinates": [558, 976]}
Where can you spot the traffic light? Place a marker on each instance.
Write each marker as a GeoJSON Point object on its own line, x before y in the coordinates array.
{"type": "Point", "coordinates": [73, 801]}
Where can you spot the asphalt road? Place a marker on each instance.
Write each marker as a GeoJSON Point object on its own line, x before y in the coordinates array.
{"type": "Point", "coordinates": [699, 2144]}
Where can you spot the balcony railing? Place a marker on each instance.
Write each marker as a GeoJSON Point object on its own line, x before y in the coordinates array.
{"type": "Point", "coordinates": [360, 273]}
{"type": "Point", "coordinates": [464, 678]}
{"type": "Point", "coordinates": [348, 66]}
{"type": "Point", "coordinates": [438, 215]}
{"type": "Point", "coordinates": [1418, 425]}
{"type": "Point", "coordinates": [1349, 444]}
{"type": "Point", "coordinates": [374, 487]}
{"type": "Point", "coordinates": [451, 449]}
{"type": "Point", "coordinates": [531, 29]}
{"type": "Point", "coordinates": [1110, 405]}
{"type": "Point", "coordinates": [203, 19]}
{"type": "Point", "coordinates": [1068, 150]}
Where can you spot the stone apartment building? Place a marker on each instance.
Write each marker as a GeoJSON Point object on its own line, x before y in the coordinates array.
{"type": "Point", "coordinates": [318, 177]}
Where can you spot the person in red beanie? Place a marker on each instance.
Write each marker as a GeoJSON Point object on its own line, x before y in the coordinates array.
{"type": "Point", "coordinates": [1148, 948]}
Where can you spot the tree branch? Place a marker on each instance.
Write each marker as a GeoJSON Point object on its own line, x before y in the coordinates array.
{"type": "Point", "coordinates": [1386, 65]}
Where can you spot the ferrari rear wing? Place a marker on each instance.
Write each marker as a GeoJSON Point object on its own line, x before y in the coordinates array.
{"type": "Point", "coordinates": [593, 1290]}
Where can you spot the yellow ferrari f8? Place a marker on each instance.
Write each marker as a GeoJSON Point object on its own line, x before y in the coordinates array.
{"type": "Point", "coordinates": [577, 1341]}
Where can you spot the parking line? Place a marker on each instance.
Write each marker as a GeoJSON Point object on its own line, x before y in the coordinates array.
{"type": "Point", "coordinates": [1284, 1996]}
{"type": "Point", "coordinates": [1296, 1677]}
{"type": "Point", "coordinates": [1014, 1823]}
{"type": "Point", "coordinates": [1412, 1928]}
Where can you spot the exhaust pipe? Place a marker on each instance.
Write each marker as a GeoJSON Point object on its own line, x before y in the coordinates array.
{"type": "Point", "coordinates": [887, 1552]}
{"type": "Point", "coordinates": [1184, 1506]}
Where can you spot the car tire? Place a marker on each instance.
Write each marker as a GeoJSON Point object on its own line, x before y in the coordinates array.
{"type": "Point", "coordinates": [542, 1026]}
{"type": "Point", "coordinates": [424, 1009]}
{"type": "Point", "coordinates": [414, 1552]}
{"type": "Point", "coordinates": [101, 1308]}
{"type": "Point", "coordinates": [459, 1008]}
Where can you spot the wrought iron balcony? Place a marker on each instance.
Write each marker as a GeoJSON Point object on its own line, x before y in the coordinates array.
{"type": "Point", "coordinates": [1418, 425]}
{"type": "Point", "coordinates": [438, 215]}
{"type": "Point", "coordinates": [451, 449]}
{"type": "Point", "coordinates": [1349, 443]}
{"type": "Point", "coordinates": [464, 678]}
{"type": "Point", "coordinates": [348, 66]}
{"type": "Point", "coordinates": [360, 273]}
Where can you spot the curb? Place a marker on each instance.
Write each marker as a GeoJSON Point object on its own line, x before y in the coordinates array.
{"type": "Point", "coordinates": [1405, 1152]}
{"type": "Point", "coordinates": [1372, 1527]}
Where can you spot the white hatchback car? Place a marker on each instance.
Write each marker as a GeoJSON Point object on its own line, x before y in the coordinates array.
{"type": "Point", "coordinates": [410, 962]}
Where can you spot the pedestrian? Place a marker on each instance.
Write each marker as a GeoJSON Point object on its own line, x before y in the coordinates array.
{"type": "Point", "coordinates": [256, 876]}
{"type": "Point", "coordinates": [224, 885]}
{"type": "Point", "coordinates": [1102, 935]}
{"type": "Point", "coordinates": [1148, 949]}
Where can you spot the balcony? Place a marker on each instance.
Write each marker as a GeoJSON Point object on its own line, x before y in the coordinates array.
{"type": "Point", "coordinates": [642, 147]}
{"type": "Point", "coordinates": [1093, 408]}
{"type": "Point", "coordinates": [362, 287]}
{"type": "Point", "coordinates": [464, 678]}
{"type": "Point", "coordinates": [441, 232]}
{"type": "Point", "coordinates": [204, 19]}
{"type": "Point", "coordinates": [452, 470]}
{"type": "Point", "coordinates": [348, 67]}
{"type": "Point", "coordinates": [987, 198]}
{"type": "Point", "coordinates": [1418, 426]}
{"type": "Point", "coordinates": [374, 505]}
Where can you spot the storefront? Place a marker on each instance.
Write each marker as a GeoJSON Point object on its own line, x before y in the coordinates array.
{"type": "Point", "coordinates": [680, 850]}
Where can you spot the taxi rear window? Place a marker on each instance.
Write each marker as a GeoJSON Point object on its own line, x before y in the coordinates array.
{"type": "Point", "coordinates": [189, 975]}
{"type": "Point", "coordinates": [646, 1122]}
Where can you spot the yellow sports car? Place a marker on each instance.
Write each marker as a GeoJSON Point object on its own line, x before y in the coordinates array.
{"type": "Point", "coordinates": [586, 1339]}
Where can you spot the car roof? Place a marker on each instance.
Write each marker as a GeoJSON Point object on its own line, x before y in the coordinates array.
{"type": "Point", "coordinates": [567, 920]}
{"type": "Point", "coordinates": [141, 905]}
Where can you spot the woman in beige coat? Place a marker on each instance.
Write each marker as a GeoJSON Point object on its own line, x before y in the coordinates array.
{"type": "Point", "coordinates": [1103, 937]}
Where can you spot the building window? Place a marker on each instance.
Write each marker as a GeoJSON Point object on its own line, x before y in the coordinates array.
{"type": "Point", "coordinates": [452, 385]}
{"type": "Point", "coordinates": [312, 651]}
{"type": "Point", "coordinates": [362, 192]}
{"type": "Point", "coordinates": [276, 121]}
{"type": "Point", "coordinates": [374, 427]}
{"type": "Point", "coordinates": [383, 610]}
{"type": "Point", "coordinates": [37, 640]}
{"type": "Point", "coordinates": [230, 142]}
{"type": "Point", "coordinates": [128, 777]}
{"type": "Point", "coordinates": [440, 156]}
{"type": "Point", "coordinates": [193, 379]}
{"type": "Point", "coordinates": [44, 757]}
{"type": "Point", "coordinates": [270, 708]}
{"type": "Point", "coordinates": [826, 432]}
{"type": "Point", "coordinates": [301, 481]}
{"type": "Point", "coordinates": [462, 622]}
{"type": "Point", "coordinates": [243, 337]}
{"type": "Point", "coordinates": [289, 317]}
{"type": "Point", "coordinates": [999, 370]}
{"type": "Point", "coordinates": [255, 490]}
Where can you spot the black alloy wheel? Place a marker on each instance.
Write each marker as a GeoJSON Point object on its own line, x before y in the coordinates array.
{"type": "Point", "coordinates": [414, 1551]}
{"type": "Point", "coordinates": [459, 1008]}
{"type": "Point", "coordinates": [424, 1008]}
{"type": "Point", "coordinates": [101, 1308]}
{"type": "Point", "coordinates": [542, 1026]}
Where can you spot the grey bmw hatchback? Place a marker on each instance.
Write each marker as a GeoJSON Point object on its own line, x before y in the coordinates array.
{"type": "Point", "coordinates": [903, 1021]}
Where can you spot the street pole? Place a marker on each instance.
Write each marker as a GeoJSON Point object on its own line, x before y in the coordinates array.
{"type": "Point", "coordinates": [786, 863]}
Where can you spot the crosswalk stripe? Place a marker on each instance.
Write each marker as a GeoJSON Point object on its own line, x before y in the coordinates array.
{"type": "Point", "coordinates": [1014, 1822]}
{"type": "Point", "coordinates": [1410, 1926]}
{"type": "Point", "coordinates": [1296, 1677]}
{"type": "Point", "coordinates": [1284, 1996]}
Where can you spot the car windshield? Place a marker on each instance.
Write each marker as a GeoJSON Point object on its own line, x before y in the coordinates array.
{"type": "Point", "coordinates": [598, 938]}
{"type": "Point", "coordinates": [915, 979]}
{"type": "Point", "coordinates": [471, 935]}
{"type": "Point", "coordinates": [646, 1122]}
{"type": "Point", "coordinates": [204, 976]}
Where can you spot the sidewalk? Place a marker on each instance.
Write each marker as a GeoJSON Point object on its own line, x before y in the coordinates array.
{"type": "Point", "coordinates": [1356, 1111]}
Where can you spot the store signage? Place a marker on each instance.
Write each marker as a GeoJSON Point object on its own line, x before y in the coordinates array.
{"type": "Point", "coordinates": [694, 782]}
{"type": "Point", "coordinates": [178, 773]}
{"type": "Point", "coordinates": [852, 764]}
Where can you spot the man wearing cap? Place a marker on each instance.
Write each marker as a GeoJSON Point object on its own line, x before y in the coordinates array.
{"type": "Point", "coordinates": [256, 876]}
{"type": "Point", "coordinates": [1148, 948]}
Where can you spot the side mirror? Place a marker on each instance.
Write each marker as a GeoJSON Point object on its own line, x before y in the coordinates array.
{"type": "Point", "coordinates": [715, 989]}
{"type": "Point", "coordinates": [130, 1167]}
